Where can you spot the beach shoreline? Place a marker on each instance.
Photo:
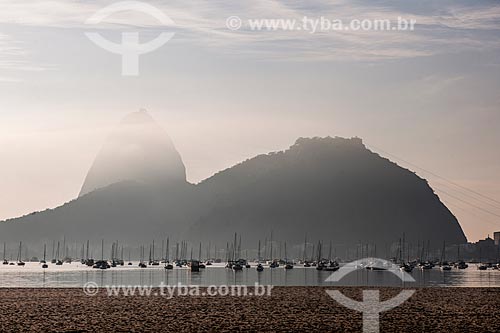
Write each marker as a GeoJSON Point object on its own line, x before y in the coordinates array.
{"type": "Point", "coordinates": [286, 309]}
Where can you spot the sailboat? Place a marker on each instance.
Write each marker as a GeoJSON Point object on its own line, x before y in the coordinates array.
{"type": "Point", "coordinates": [313, 263]}
{"type": "Point", "coordinates": [129, 261]}
{"type": "Point", "coordinates": [168, 265]}
{"type": "Point", "coordinates": [332, 265]}
{"type": "Point", "coordinates": [247, 264]}
{"type": "Point", "coordinates": [102, 264]}
{"type": "Point", "coordinates": [259, 268]}
{"type": "Point", "coordinates": [113, 254]}
{"type": "Point", "coordinates": [209, 262]}
{"type": "Point", "coordinates": [404, 266]}
{"type": "Point", "coordinates": [201, 265]}
{"type": "Point", "coordinates": [194, 265]}
{"type": "Point", "coordinates": [152, 261]}
{"type": "Point", "coordinates": [58, 262]}
{"type": "Point", "coordinates": [444, 264]}
{"type": "Point", "coordinates": [141, 262]}
{"type": "Point", "coordinates": [122, 262]}
{"type": "Point", "coordinates": [53, 261]}
{"type": "Point", "coordinates": [44, 254]}
{"type": "Point", "coordinates": [460, 264]}
{"type": "Point", "coordinates": [88, 260]}
{"type": "Point", "coordinates": [481, 266]}
{"type": "Point", "coordinates": [273, 264]}
{"type": "Point", "coordinates": [20, 261]}
{"type": "Point", "coordinates": [162, 260]}
{"type": "Point", "coordinates": [321, 264]}
{"type": "Point", "coordinates": [288, 265]}
{"type": "Point", "coordinates": [304, 257]}
{"type": "Point", "coordinates": [5, 261]}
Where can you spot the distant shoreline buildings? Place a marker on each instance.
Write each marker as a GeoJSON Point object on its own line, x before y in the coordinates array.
{"type": "Point", "coordinates": [484, 250]}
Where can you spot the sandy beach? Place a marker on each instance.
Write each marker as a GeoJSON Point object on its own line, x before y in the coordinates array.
{"type": "Point", "coordinates": [287, 309]}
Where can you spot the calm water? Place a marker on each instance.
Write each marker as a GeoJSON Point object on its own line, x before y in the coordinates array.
{"type": "Point", "coordinates": [76, 275]}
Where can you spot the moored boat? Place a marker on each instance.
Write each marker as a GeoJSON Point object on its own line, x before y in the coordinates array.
{"type": "Point", "coordinates": [20, 261]}
{"type": "Point", "coordinates": [44, 263]}
{"type": "Point", "coordinates": [333, 267]}
{"type": "Point", "coordinates": [194, 266]}
{"type": "Point", "coordinates": [5, 261]}
{"type": "Point", "coordinates": [482, 267]}
{"type": "Point", "coordinates": [406, 268]}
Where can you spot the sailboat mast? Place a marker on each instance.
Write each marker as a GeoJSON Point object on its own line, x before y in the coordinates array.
{"type": "Point", "coordinates": [208, 250]}
{"type": "Point", "coordinates": [162, 247]}
{"type": "Point", "coordinates": [443, 252]}
{"type": "Point", "coordinates": [286, 258]}
{"type": "Point", "coordinates": [239, 248]}
{"type": "Point", "coordinates": [403, 248]}
{"type": "Point", "coordinates": [167, 254]}
{"type": "Point", "coordinates": [234, 246]}
{"type": "Point", "coordinates": [305, 245]}
{"type": "Point", "coordinates": [314, 250]}
{"type": "Point", "coordinates": [258, 255]}
{"type": "Point", "coordinates": [271, 243]}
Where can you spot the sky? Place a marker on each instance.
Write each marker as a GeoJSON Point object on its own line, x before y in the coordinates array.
{"type": "Point", "coordinates": [429, 97]}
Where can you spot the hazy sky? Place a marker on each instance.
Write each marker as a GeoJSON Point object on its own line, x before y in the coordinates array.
{"type": "Point", "coordinates": [430, 96]}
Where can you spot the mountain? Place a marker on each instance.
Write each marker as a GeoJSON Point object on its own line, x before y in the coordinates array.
{"type": "Point", "coordinates": [135, 190]}
{"type": "Point", "coordinates": [330, 188]}
{"type": "Point", "coordinates": [138, 149]}
{"type": "Point", "coordinates": [129, 211]}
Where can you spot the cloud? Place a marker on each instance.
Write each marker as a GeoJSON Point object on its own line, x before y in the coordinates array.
{"type": "Point", "coordinates": [14, 57]}
{"type": "Point", "coordinates": [447, 27]}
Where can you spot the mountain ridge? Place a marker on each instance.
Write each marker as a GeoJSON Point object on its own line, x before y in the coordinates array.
{"type": "Point", "coordinates": [326, 187]}
{"type": "Point", "coordinates": [306, 151]}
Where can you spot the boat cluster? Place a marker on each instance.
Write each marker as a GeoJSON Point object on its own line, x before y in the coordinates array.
{"type": "Point", "coordinates": [446, 266]}
{"type": "Point", "coordinates": [275, 256]}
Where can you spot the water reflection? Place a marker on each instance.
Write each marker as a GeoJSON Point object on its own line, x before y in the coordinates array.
{"type": "Point", "coordinates": [76, 275]}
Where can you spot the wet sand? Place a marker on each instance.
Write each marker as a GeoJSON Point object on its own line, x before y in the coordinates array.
{"type": "Point", "coordinates": [287, 309]}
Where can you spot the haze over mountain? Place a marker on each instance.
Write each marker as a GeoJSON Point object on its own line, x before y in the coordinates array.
{"type": "Point", "coordinates": [140, 150]}
{"type": "Point", "coordinates": [330, 188]}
